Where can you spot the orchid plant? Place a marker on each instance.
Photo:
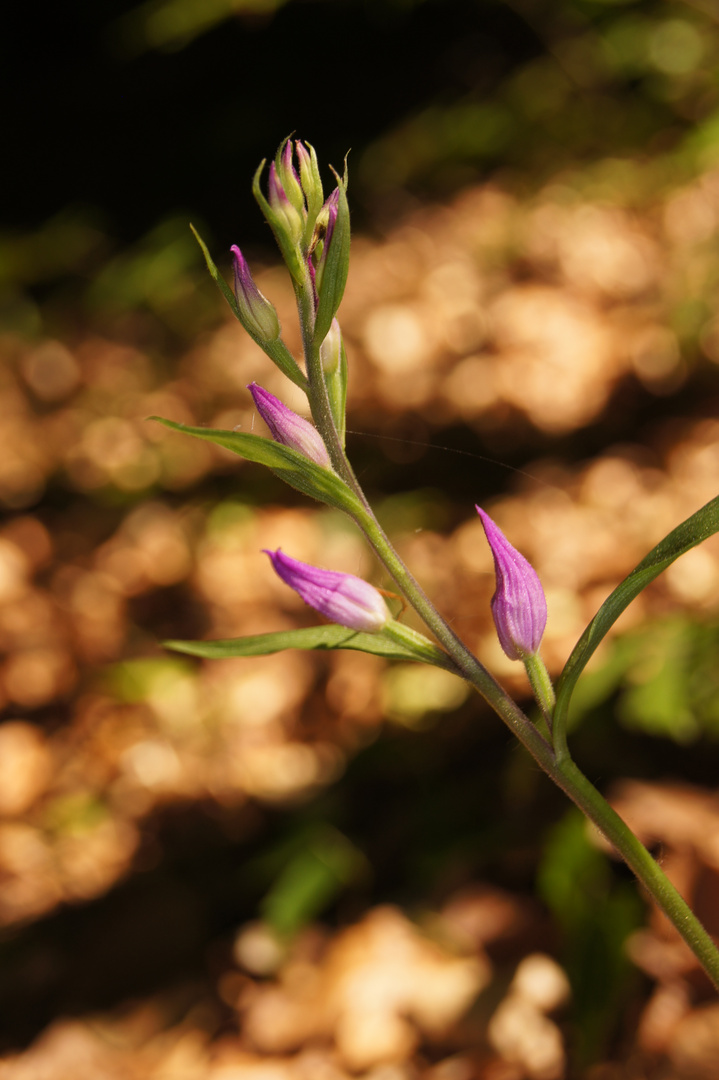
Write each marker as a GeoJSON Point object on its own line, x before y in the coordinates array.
{"type": "Point", "coordinates": [313, 234]}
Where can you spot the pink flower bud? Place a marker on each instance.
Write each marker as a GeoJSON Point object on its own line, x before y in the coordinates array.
{"type": "Point", "coordinates": [341, 598]}
{"type": "Point", "coordinates": [519, 607]}
{"type": "Point", "coordinates": [288, 428]}
{"type": "Point", "coordinates": [287, 215]}
{"type": "Point", "coordinates": [259, 317]}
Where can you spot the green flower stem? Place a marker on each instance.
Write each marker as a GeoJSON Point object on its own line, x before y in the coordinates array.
{"type": "Point", "coordinates": [541, 685]}
{"type": "Point", "coordinates": [317, 392]}
{"type": "Point", "coordinates": [575, 784]}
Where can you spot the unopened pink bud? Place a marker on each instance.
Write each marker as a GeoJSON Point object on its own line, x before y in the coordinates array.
{"type": "Point", "coordinates": [519, 607]}
{"type": "Point", "coordinates": [341, 598]}
{"type": "Point", "coordinates": [288, 428]}
{"type": "Point", "coordinates": [258, 315]}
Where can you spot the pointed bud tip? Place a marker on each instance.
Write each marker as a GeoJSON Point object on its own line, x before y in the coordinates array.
{"type": "Point", "coordinates": [256, 313]}
{"type": "Point", "coordinates": [519, 606]}
{"type": "Point", "coordinates": [341, 598]}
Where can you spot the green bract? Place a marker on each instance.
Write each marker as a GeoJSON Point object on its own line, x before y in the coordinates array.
{"type": "Point", "coordinates": [290, 465]}
{"type": "Point", "coordinates": [276, 350]}
{"type": "Point", "coordinates": [336, 255]}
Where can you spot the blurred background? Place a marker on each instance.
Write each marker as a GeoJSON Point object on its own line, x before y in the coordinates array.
{"type": "Point", "coordinates": [311, 867]}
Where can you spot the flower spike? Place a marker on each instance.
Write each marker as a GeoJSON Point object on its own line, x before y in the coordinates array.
{"type": "Point", "coordinates": [519, 607]}
{"type": "Point", "coordinates": [341, 598]}
{"type": "Point", "coordinates": [288, 428]}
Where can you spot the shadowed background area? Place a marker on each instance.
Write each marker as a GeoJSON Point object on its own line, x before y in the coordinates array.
{"type": "Point", "coordinates": [326, 865]}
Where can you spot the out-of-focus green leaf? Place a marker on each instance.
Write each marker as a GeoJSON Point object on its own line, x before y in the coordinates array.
{"type": "Point", "coordinates": [693, 531]}
{"type": "Point", "coordinates": [138, 680]}
{"type": "Point", "coordinates": [596, 914]}
{"type": "Point", "coordinates": [412, 694]}
{"type": "Point", "coordinates": [291, 466]}
{"type": "Point", "coordinates": [311, 880]}
{"type": "Point", "coordinates": [171, 25]}
{"type": "Point", "coordinates": [665, 678]}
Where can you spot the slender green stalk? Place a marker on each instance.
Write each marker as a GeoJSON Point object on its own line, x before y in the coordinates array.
{"type": "Point", "coordinates": [575, 784]}
{"type": "Point", "coordinates": [541, 685]}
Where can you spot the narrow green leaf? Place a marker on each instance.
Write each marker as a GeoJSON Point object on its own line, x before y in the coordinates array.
{"type": "Point", "coordinates": [291, 466]}
{"type": "Point", "coordinates": [412, 647]}
{"type": "Point", "coordinates": [310, 879]}
{"type": "Point", "coordinates": [336, 268]}
{"type": "Point", "coordinates": [277, 351]}
{"type": "Point", "coordinates": [693, 531]}
{"type": "Point", "coordinates": [217, 277]}
{"type": "Point", "coordinates": [420, 647]}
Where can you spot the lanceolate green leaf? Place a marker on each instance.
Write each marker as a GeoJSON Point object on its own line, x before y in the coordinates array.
{"type": "Point", "coordinates": [686, 536]}
{"type": "Point", "coordinates": [336, 269]}
{"type": "Point", "coordinates": [291, 466]}
{"type": "Point", "coordinates": [277, 351]}
{"type": "Point", "coordinates": [322, 638]}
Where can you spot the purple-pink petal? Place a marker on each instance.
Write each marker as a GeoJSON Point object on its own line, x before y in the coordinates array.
{"type": "Point", "coordinates": [243, 276]}
{"type": "Point", "coordinates": [341, 598]}
{"type": "Point", "coordinates": [278, 197]}
{"type": "Point", "coordinates": [332, 206]}
{"type": "Point", "coordinates": [288, 428]}
{"type": "Point", "coordinates": [288, 162]}
{"type": "Point", "coordinates": [519, 606]}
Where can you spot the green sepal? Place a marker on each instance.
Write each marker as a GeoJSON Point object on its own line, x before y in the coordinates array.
{"type": "Point", "coordinates": [289, 182]}
{"type": "Point", "coordinates": [290, 250]}
{"type": "Point", "coordinates": [290, 465]}
{"type": "Point", "coordinates": [312, 187]}
{"type": "Point", "coordinates": [392, 645]}
{"type": "Point", "coordinates": [693, 531]}
{"type": "Point", "coordinates": [334, 276]}
{"type": "Point", "coordinates": [277, 351]}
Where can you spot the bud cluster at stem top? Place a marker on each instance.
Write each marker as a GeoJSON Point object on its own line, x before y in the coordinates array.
{"type": "Point", "coordinates": [312, 233]}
